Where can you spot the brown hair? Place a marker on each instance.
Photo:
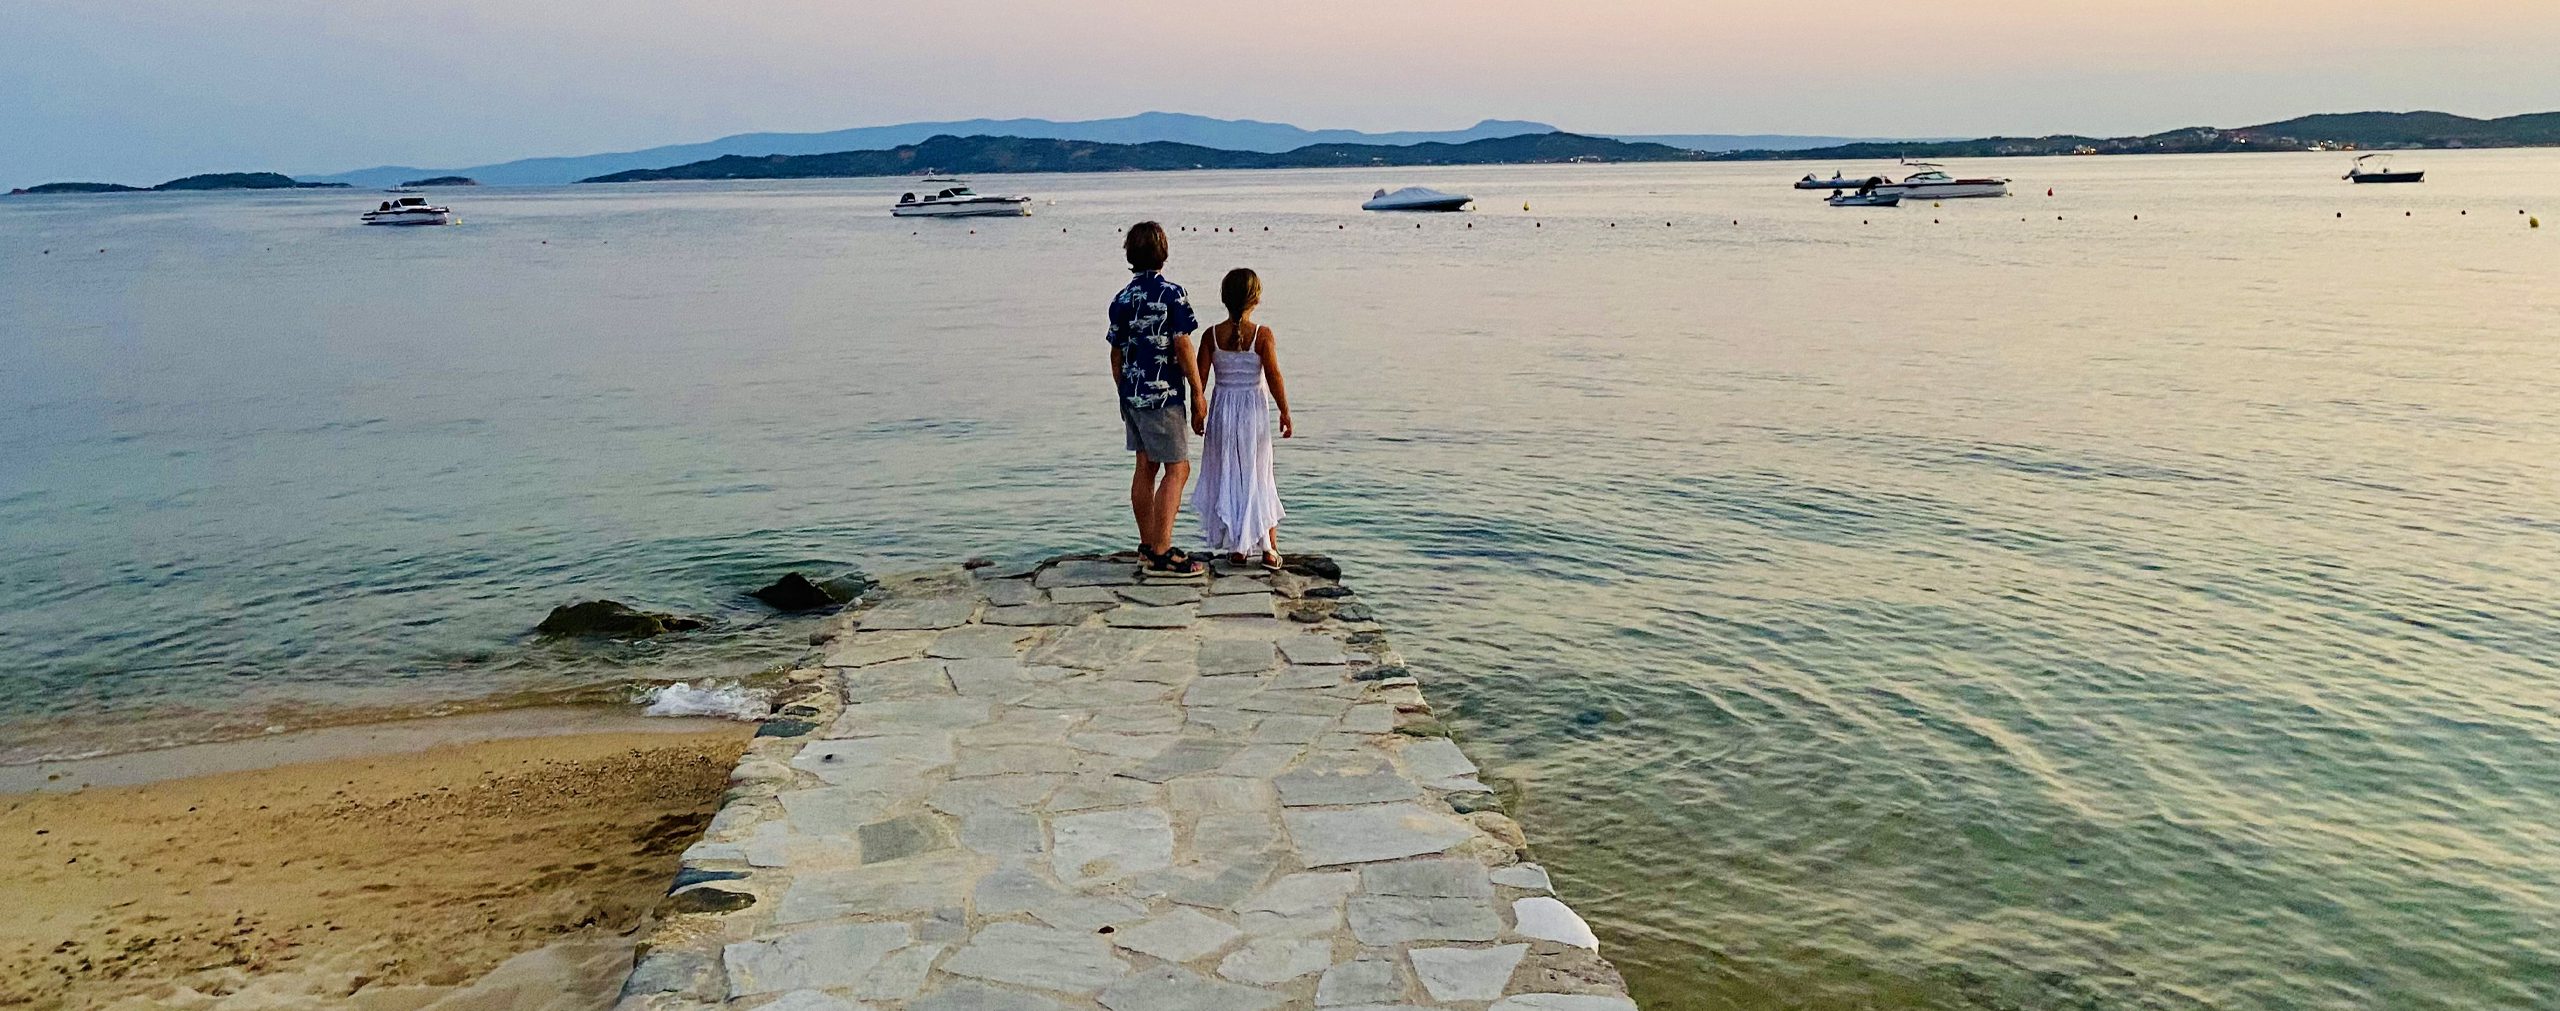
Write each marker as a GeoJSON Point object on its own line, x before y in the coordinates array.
{"type": "Point", "coordinates": [1240, 291]}
{"type": "Point", "coordinates": [1146, 246]}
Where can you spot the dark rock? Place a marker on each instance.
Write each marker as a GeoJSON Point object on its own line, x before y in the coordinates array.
{"type": "Point", "coordinates": [795, 592]}
{"type": "Point", "coordinates": [1318, 566]}
{"type": "Point", "coordinates": [1354, 611]}
{"type": "Point", "coordinates": [1415, 725]}
{"type": "Point", "coordinates": [1380, 672]}
{"type": "Point", "coordinates": [1367, 637]}
{"type": "Point", "coordinates": [974, 564]}
{"type": "Point", "coordinates": [1472, 802]}
{"type": "Point", "coordinates": [708, 900]}
{"type": "Point", "coordinates": [1308, 615]}
{"type": "Point", "coordinates": [1326, 592]}
{"type": "Point", "coordinates": [784, 728]}
{"type": "Point", "coordinates": [695, 876]}
{"type": "Point", "coordinates": [612, 619]}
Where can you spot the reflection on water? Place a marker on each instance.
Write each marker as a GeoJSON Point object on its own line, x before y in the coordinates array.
{"type": "Point", "coordinates": [2009, 604]}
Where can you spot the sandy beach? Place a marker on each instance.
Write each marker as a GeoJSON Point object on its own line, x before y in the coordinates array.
{"type": "Point", "coordinates": [441, 869]}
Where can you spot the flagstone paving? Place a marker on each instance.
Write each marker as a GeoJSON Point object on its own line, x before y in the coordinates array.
{"type": "Point", "coordinates": [1071, 789]}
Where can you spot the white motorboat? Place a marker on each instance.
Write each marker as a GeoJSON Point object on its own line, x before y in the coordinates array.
{"type": "Point", "coordinates": [1932, 182]}
{"type": "Point", "coordinates": [961, 202]}
{"type": "Point", "coordinates": [1865, 198]}
{"type": "Point", "coordinates": [409, 211]}
{"type": "Point", "coordinates": [1417, 198]}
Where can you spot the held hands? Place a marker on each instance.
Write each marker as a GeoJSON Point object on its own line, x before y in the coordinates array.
{"type": "Point", "coordinates": [1199, 421]}
{"type": "Point", "coordinates": [1286, 429]}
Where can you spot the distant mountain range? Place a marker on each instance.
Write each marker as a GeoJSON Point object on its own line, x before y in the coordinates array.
{"type": "Point", "coordinates": [1149, 127]}
{"type": "Point", "coordinates": [2362, 131]}
{"type": "Point", "coordinates": [983, 155]}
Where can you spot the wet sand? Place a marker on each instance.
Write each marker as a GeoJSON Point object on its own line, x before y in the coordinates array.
{"type": "Point", "coordinates": [431, 868]}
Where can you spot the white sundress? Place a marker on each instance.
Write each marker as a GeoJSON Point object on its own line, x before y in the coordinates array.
{"type": "Point", "coordinates": [1236, 496]}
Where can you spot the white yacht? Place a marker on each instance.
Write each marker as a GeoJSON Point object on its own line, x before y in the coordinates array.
{"type": "Point", "coordinates": [1417, 198]}
{"type": "Point", "coordinates": [1931, 182]}
{"type": "Point", "coordinates": [408, 211]}
{"type": "Point", "coordinates": [960, 202]}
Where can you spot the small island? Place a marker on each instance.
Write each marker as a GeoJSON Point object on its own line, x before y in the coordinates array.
{"type": "Point", "coordinates": [208, 181]}
{"type": "Point", "coordinates": [440, 181]}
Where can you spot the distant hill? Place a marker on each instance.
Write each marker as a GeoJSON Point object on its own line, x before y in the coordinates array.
{"type": "Point", "coordinates": [986, 155]}
{"type": "Point", "coordinates": [1149, 127]}
{"type": "Point", "coordinates": [210, 181]}
{"type": "Point", "coordinates": [2360, 131]}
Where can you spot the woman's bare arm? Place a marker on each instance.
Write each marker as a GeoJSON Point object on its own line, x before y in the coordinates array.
{"type": "Point", "coordinates": [1268, 346]}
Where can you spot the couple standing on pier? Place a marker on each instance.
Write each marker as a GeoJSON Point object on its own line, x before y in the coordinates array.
{"type": "Point", "coordinates": [1170, 392]}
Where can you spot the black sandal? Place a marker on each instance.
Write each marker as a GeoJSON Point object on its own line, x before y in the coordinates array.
{"type": "Point", "coordinates": [1173, 562]}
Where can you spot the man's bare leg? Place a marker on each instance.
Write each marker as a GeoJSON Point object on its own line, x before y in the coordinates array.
{"type": "Point", "coordinates": [1168, 504]}
{"type": "Point", "coordinates": [1142, 505]}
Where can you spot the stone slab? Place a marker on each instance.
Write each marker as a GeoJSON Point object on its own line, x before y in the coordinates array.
{"type": "Point", "coordinates": [1236, 656]}
{"type": "Point", "coordinates": [1466, 973]}
{"type": "Point", "coordinates": [1109, 845]}
{"type": "Point", "coordinates": [1546, 919]}
{"type": "Point", "coordinates": [1179, 936]}
{"type": "Point", "coordinates": [1397, 919]}
{"type": "Point", "coordinates": [1256, 605]}
{"type": "Point", "coordinates": [811, 958]}
{"type": "Point", "coordinates": [1043, 958]}
{"type": "Point", "coordinates": [1327, 837]}
{"type": "Point", "coordinates": [1174, 988]}
{"type": "Point", "coordinates": [1137, 616]}
{"type": "Point", "coordinates": [1086, 572]}
{"type": "Point", "coordinates": [922, 613]}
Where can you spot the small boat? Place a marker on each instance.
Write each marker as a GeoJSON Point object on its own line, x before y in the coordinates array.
{"type": "Point", "coordinates": [408, 211]}
{"type": "Point", "coordinates": [1864, 198]}
{"type": "Point", "coordinates": [1932, 182]}
{"type": "Point", "coordinates": [1417, 198]}
{"type": "Point", "coordinates": [2380, 171]}
{"type": "Point", "coordinates": [961, 202]}
{"type": "Point", "coordinates": [1836, 182]}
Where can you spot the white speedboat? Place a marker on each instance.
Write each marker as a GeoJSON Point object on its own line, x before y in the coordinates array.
{"type": "Point", "coordinates": [960, 202]}
{"type": "Point", "coordinates": [1836, 182]}
{"type": "Point", "coordinates": [1417, 198]}
{"type": "Point", "coordinates": [1932, 182]}
{"type": "Point", "coordinates": [409, 211]}
{"type": "Point", "coordinates": [1867, 198]}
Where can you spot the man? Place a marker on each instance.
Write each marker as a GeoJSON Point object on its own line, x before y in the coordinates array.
{"type": "Point", "coordinates": [1159, 386]}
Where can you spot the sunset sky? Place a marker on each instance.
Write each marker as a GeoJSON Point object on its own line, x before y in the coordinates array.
{"type": "Point", "coordinates": [141, 90]}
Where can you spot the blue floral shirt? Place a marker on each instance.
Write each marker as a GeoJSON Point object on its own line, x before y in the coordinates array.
{"type": "Point", "coordinates": [1145, 318]}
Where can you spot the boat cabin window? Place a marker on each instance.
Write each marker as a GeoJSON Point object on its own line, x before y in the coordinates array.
{"type": "Point", "coordinates": [906, 198]}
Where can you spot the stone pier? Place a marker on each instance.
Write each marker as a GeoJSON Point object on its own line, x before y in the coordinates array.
{"type": "Point", "coordinates": [1072, 789]}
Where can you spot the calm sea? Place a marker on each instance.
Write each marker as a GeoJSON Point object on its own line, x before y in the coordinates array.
{"type": "Point", "coordinates": [2144, 596]}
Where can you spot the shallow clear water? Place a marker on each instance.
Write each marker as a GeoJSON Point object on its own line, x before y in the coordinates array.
{"type": "Point", "coordinates": [2012, 604]}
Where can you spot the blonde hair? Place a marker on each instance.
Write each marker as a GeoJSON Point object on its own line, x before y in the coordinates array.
{"type": "Point", "coordinates": [1240, 291]}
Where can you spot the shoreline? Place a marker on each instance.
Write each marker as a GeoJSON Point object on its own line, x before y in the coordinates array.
{"type": "Point", "coordinates": [337, 742]}
{"type": "Point", "coordinates": [500, 860]}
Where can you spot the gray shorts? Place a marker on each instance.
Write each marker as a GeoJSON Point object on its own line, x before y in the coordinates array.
{"type": "Point", "coordinates": [1162, 433]}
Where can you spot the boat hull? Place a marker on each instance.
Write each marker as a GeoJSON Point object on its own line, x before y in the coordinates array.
{"type": "Point", "coordinates": [1856, 200]}
{"type": "Point", "coordinates": [1016, 208]}
{"type": "Point", "coordinates": [1962, 189]}
{"type": "Point", "coordinates": [432, 218]}
{"type": "Point", "coordinates": [2387, 177]}
{"type": "Point", "coordinates": [1449, 204]}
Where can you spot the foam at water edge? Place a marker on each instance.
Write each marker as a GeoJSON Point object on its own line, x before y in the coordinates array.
{"type": "Point", "coordinates": [730, 701]}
